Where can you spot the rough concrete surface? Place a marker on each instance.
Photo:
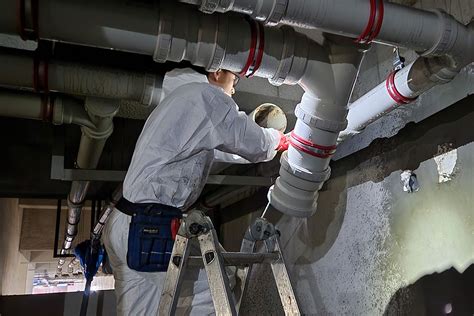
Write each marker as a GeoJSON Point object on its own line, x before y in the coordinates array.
{"type": "Point", "coordinates": [369, 238]}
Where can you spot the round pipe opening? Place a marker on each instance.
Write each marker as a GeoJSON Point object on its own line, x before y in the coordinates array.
{"type": "Point", "coordinates": [269, 115]}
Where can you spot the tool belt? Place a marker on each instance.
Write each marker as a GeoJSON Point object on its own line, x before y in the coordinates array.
{"type": "Point", "coordinates": [151, 234]}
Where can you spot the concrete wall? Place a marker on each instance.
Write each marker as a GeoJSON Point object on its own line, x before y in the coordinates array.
{"type": "Point", "coordinates": [368, 238]}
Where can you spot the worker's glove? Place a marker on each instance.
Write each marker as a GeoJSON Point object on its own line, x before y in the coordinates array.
{"type": "Point", "coordinates": [284, 142]}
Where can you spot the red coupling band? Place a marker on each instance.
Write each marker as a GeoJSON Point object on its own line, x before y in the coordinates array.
{"type": "Point", "coordinates": [378, 25]}
{"type": "Point", "coordinates": [393, 91]}
{"type": "Point", "coordinates": [47, 108]}
{"type": "Point", "coordinates": [261, 48]}
{"type": "Point", "coordinates": [40, 75]}
{"type": "Point", "coordinates": [374, 24]}
{"type": "Point", "coordinates": [254, 59]}
{"type": "Point", "coordinates": [311, 148]}
{"type": "Point", "coordinates": [27, 22]}
{"type": "Point", "coordinates": [253, 46]}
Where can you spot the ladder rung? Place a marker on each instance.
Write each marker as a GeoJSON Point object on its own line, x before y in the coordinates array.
{"type": "Point", "coordinates": [239, 258]}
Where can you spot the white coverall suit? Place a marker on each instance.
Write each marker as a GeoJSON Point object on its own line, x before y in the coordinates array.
{"type": "Point", "coordinates": [195, 124]}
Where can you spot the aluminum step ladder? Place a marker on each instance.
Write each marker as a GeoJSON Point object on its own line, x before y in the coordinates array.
{"type": "Point", "coordinates": [214, 259]}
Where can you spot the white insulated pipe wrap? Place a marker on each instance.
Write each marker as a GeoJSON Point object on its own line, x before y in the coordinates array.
{"type": "Point", "coordinates": [83, 80]}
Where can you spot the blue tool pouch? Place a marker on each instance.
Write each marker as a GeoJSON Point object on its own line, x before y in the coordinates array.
{"type": "Point", "coordinates": [150, 239]}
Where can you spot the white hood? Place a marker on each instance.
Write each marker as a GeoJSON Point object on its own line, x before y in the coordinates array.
{"type": "Point", "coordinates": [178, 77]}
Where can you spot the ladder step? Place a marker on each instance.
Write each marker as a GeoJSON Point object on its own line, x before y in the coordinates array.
{"type": "Point", "coordinates": [239, 258]}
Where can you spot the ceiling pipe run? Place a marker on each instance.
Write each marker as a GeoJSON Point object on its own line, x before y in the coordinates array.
{"type": "Point", "coordinates": [431, 33]}
{"type": "Point", "coordinates": [321, 115]}
{"type": "Point", "coordinates": [54, 109]}
{"type": "Point", "coordinates": [101, 113]}
{"type": "Point", "coordinates": [401, 87]}
{"type": "Point", "coordinates": [281, 55]}
{"type": "Point", "coordinates": [22, 70]}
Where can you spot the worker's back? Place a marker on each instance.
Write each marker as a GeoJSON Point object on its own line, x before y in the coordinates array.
{"type": "Point", "coordinates": [175, 151]}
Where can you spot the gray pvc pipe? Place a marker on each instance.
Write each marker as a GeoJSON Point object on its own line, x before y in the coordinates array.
{"type": "Point", "coordinates": [20, 105]}
{"type": "Point", "coordinates": [29, 106]}
{"type": "Point", "coordinates": [433, 33]}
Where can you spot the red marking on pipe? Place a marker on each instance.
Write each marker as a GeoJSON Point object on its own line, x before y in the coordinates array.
{"type": "Point", "coordinates": [307, 151]}
{"type": "Point", "coordinates": [253, 46]}
{"type": "Point", "coordinates": [261, 47]}
{"type": "Point", "coordinates": [370, 24]}
{"type": "Point", "coordinates": [300, 143]}
{"type": "Point", "coordinates": [40, 75]}
{"type": "Point", "coordinates": [393, 91]}
{"type": "Point", "coordinates": [309, 143]}
{"type": "Point", "coordinates": [378, 26]}
{"type": "Point", "coordinates": [47, 105]}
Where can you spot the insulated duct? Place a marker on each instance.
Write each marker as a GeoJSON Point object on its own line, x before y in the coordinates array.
{"type": "Point", "coordinates": [20, 69]}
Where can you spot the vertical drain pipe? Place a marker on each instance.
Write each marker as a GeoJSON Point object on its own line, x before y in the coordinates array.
{"type": "Point", "coordinates": [321, 115]}
{"type": "Point", "coordinates": [101, 113]}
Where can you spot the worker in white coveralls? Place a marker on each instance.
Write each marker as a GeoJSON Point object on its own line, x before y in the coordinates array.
{"type": "Point", "coordinates": [196, 124]}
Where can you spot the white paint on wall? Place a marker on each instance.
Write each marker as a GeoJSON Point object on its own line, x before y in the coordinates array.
{"type": "Point", "coordinates": [446, 165]}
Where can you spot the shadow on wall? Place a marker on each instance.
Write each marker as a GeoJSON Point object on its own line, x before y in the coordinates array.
{"type": "Point", "coordinates": [446, 293]}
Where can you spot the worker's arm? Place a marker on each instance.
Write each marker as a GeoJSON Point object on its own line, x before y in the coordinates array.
{"type": "Point", "coordinates": [220, 156]}
{"type": "Point", "coordinates": [235, 133]}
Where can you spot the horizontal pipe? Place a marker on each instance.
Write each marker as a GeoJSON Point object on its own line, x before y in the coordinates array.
{"type": "Point", "coordinates": [432, 33]}
{"type": "Point", "coordinates": [28, 106]}
{"type": "Point", "coordinates": [56, 109]}
{"type": "Point", "coordinates": [19, 70]}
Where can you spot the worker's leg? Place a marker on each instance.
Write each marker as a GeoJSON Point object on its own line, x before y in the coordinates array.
{"type": "Point", "coordinates": [138, 293]}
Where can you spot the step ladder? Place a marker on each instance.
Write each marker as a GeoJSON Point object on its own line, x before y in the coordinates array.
{"type": "Point", "coordinates": [214, 259]}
